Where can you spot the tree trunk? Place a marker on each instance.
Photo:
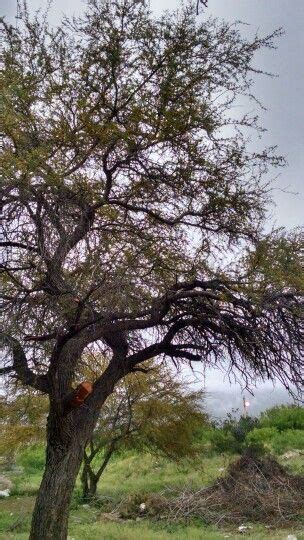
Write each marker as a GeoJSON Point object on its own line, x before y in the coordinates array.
{"type": "Point", "coordinates": [50, 517]}
{"type": "Point", "coordinates": [64, 454]}
{"type": "Point", "coordinates": [89, 483]}
{"type": "Point", "coordinates": [68, 432]}
{"type": "Point", "coordinates": [89, 478]}
{"type": "Point", "coordinates": [85, 483]}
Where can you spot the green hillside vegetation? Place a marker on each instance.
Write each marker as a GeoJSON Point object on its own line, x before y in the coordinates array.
{"type": "Point", "coordinates": [135, 476]}
{"type": "Point", "coordinates": [278, 430]}
{"type": "Point", "coordinates": [130, 477]}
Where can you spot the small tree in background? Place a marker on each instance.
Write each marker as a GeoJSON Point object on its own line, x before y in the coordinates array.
{"type": "Point", "coordinates": [134, 211]}
{"type": "Point", "coordinates": [157, 413]}
{"type": "Point", "coordinates": [22, 422]}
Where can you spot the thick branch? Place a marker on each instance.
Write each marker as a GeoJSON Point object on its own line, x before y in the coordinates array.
{"type": "Point", "coordinates": [20, 365]}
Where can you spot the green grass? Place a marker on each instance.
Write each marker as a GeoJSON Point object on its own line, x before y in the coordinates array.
{"type": "Point", "coordinates": [86, 524]}
{"type": "Point", "coordinates": [127, 475]}
{"type": "Point", "coordinates": [139, 531]}
{"type": "Point", "coordinates": [134, 472]}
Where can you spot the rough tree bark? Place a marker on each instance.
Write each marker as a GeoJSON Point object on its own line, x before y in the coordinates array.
{"type": "Point", "coordinates": [64, 454]}
{"type": "Point", "coordinates": [50, 517]}
{"type": "Point", "coordinates": [68, 433]}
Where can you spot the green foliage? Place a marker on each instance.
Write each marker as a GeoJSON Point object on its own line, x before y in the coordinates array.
{"type": "Point", "coordinates": [203, 440]}
{"type": "Point", "coordinates": [283, 417]}
{"type": "Point", "coordinates": [279, 429]}
{"type": "Point", "coordinates": [22, 421]}
{"type": "Point", "coordinates": [288, 440]}
{"type": "Point", "coordinates": [277, 259]}
{"type": "Point", "coordinates": [230, 436]}
{"type": "Point", "coordinates": [239, 428]}
{"type": "Point", "coordinates": [169, 423]}
{"type": "Point", "coordinates": [32, 458]}
{"type": "Point", "coordinates": [224, 441]}
{"type": "Point", "coordinates": [261, 436]}
{"type": "Point", "coordinates": [152, 410]}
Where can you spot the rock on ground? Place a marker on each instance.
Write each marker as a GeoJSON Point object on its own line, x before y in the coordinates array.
{"type": "Point", "coordinates": [5, 483]}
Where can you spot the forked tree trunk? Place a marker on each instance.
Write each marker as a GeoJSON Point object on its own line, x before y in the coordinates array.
{"type": "Point", "coordinates": [89, 478]}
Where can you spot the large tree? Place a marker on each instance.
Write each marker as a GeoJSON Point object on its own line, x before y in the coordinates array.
{"type": "Point", "coordinates": [134, 209]}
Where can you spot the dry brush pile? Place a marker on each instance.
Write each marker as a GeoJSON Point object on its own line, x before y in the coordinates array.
{"type": "Point", "coordinates": [254, 490]}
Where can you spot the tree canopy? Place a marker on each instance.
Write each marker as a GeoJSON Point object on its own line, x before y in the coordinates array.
{"type": "Point", "coordinates": [128, 185]}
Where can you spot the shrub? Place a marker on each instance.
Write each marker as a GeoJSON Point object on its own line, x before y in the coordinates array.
{"type": "Point", "coordinates": [283, 417]}
{"type": "Point", "coordinates": [224, 441]}
{"type": "Point", "coordinates": [288, 440]}
{"type": "Point", "coordinates": [279, 429]}
{"type": "Point", "coordinates": [261, 436]}
{"type": "Point", "coordinates": [204, 441]}
{"type": "Point", "coordinates": [227, 437]}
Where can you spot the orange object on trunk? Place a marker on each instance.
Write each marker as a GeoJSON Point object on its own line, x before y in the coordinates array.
{"type": "Point", "coordinates": [81, 393]}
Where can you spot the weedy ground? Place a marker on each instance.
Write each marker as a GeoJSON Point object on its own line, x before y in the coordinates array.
{"type": "Point", "coordinates": [131, 476]}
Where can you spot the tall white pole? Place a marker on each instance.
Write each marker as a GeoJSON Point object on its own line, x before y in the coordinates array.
{"type": "Point", "coordinates": [245, 406]}
{"type": "Point", "coordinates": [18, 13]}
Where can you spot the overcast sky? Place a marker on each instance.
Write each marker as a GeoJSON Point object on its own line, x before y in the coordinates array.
{"type": "Point", "coordinates": [283, 97]}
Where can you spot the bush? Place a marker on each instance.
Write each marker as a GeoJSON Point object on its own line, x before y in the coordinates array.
{"type": "Point", "coordinates": [279, 442]}
{"type": "Point", "coordinates": [203, 442]}
{"type": "Point", "coordinates": [288, 440]}
{"type": "Point", "coordinates": [228, 437]}
{"type": "Point", "coordinates": [283, 417]}
{"type": "Point", "coordinates": [224, 441]}
{"type": "Point", "coordinates": [32, 458]}
{"type": "Point", "coordinates": [279, 429]}
{"type": "Point", "coordinates": [261, 436]}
